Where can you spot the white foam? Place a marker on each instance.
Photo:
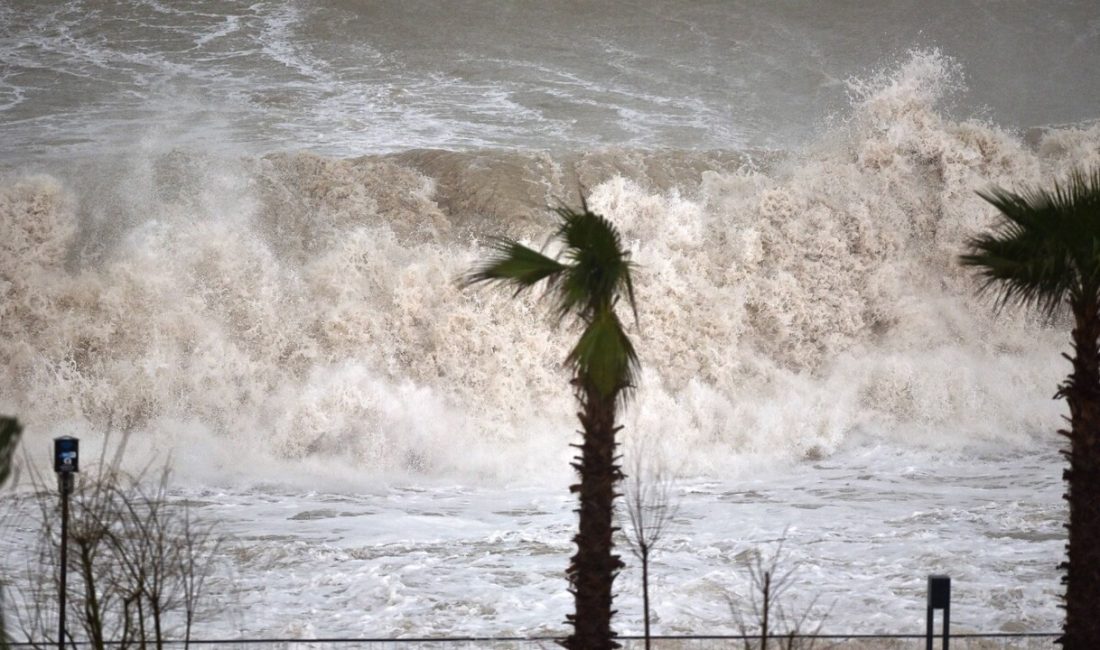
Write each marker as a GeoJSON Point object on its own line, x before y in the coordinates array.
{"type": "Point", "coordinates": [863, 529]}
{"type": "Point", "coordinates": [306, 307]}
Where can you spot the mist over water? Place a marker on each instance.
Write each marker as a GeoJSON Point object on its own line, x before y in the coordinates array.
{"type": "Point", "coordinates": [233, 231]}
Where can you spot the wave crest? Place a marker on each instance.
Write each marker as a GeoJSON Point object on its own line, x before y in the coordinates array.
{"type": "Point", "coordinates": [308, 305]}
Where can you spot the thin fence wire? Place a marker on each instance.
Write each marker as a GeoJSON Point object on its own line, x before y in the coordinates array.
{"type": "Point", "coordinates": [993, 641]}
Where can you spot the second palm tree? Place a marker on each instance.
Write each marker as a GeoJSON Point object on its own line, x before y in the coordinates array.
{"type": "Point", "coordinates": [1046, 253]}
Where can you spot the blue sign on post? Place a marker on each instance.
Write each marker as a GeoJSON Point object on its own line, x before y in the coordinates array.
{"type": "Point", "coordinates": [66, 462]}
{"type": "Point", "coordinates": [66, 454]}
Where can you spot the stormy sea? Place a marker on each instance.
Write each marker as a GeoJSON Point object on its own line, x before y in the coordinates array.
{"type": "Point", "coordinates": [231, 234]}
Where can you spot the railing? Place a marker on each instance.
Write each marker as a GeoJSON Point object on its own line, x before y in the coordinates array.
{"type": "Point", "coordinates": [991, 641]}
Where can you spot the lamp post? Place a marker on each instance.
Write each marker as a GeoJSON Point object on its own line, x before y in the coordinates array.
{"type": "Point", "coordinates": [66, 462]}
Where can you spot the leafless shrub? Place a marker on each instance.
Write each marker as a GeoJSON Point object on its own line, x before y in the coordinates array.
{"type": "Point", "coordinates": [766, 620]}
{"type": "Point", "coordinates": [136, 562]}
{"type": "Point", "coordinates": [650, 506]}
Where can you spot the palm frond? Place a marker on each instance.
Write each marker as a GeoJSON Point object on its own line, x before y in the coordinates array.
{"type": "Point", "coordinates": [605, 356]}
{"type": "Point", "coordinates": [1017, 273]}
{"type": "Point", "coordinates": [599, 270]}
{"type": "Point", "coordinates": [514, 264]}
{"type": "Point", "coordinates": [1047, 248]}
{"type": "Point", "coordinates": [591, 276]}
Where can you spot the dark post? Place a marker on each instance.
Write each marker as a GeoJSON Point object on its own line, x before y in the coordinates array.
{"type": "Point", "coordinates": [66, 462]}
{"type": "Point", "coordinates": [939, 597]}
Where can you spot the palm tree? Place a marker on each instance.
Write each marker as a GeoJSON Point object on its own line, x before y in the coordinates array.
{"type": "Point", "coordinates": [10, 430]}
{"type": "Point", "coordinates": [1046, 254]}
{"type": "Point", "coordinates": [585, 282]}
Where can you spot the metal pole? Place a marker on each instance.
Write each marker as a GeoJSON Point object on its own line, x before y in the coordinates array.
{"type": "Point", "coordinates": [65, 480]}
{"type": "Point", "coordinates": [939, 597]}
{"type": "Point", "coordinates": [946, 625]}
{"type": "Point", "coordinates": [929, 629]}
{"type": "Point", "coordinates": [66, 461]}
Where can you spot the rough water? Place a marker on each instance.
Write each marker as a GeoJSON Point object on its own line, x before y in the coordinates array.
{"type": "Point", "coordinates": [345, 77]}
{"type": "Point", "coordinates": [233, 232]}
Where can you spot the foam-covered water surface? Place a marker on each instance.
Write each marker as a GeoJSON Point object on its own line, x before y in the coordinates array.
{"type": "Point", "coordinates": [862, 530]}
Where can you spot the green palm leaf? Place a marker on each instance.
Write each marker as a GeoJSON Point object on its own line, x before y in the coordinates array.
{"type": "Point", "coordinates": [590, 275]}
{"type": "Point", "coordinates": [514, 264]}
{"type": "Point", "coordinates": [1047, 248]}
{"type": "Point", "coordinates": [604, 355]}
{"type": "Point", "coordinates": [600, 269]}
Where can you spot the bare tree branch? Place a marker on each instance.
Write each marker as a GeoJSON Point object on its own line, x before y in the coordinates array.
{"type": "Point", "coordinates": [137, 559]}
{"type": "Point", "coordinates": [766, 620]}
{"type": "Point", "coordinates": [650, 506]}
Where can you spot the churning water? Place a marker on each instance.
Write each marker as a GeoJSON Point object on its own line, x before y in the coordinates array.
{"type": "Point", "coordinates": [234, 229]}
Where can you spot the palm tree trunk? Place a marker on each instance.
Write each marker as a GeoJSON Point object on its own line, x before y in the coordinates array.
{"type": "Point", "coordinates": [594, 566]}
{"type": "Point", "coordinates": [1082, 566]}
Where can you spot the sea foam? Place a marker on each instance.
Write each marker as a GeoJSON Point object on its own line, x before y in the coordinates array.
{"type": "Point", "coordinates": [305, 310]}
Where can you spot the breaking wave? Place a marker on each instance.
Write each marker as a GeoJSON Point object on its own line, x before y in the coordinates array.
{"type": "Point", "coordinates": [296, 309]}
